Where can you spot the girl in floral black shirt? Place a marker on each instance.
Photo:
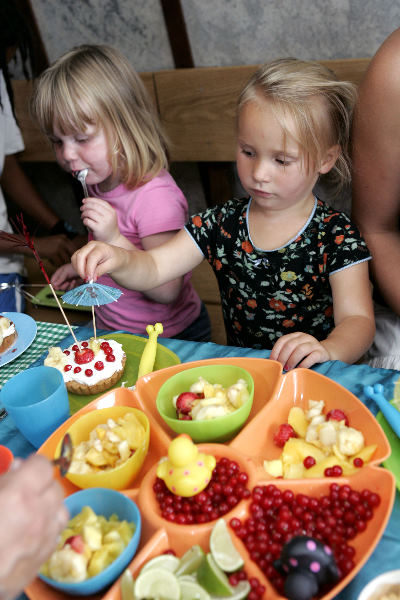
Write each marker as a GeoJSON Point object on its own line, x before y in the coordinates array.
{"type": "Point", "coordinates": [292, 272]}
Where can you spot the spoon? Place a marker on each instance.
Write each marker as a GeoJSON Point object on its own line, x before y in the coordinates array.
{"type": "Point", "coordinates": [81, 177]}
{"type": "Point", "coordinates": [391, 414]}
{"type": "Point", "coordinates": [64, 460]}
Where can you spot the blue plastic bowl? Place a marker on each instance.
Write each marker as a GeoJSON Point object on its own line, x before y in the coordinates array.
{"type": "Point", "coordinates": [105, 502]}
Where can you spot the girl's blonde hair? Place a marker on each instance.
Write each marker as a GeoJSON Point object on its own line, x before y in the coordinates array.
{"type": "Point", "coordinates": [96, 85]}
{"type": "Point", "coordinates": [293, 86]}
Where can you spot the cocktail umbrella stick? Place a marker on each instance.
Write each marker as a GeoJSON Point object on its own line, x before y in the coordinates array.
{"type": "Point", "coordinates": [94, 322]}
{"type": "Point", "coordinates": [63, 314]}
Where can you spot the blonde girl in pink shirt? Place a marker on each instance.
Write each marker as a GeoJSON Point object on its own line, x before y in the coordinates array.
{"type": "Point", "coordinates": [96, 112]}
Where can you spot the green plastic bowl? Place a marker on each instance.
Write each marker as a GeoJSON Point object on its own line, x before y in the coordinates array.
{"type": "Point", "coordinates": [219, 429]}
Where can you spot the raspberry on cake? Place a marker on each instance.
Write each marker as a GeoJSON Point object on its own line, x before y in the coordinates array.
{"type": "Point", "coordinates": [8, 334]}
{"type": "Point", "coordinates": [90, 368]}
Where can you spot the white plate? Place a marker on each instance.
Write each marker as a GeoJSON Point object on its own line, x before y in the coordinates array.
{"type": "Point", "coordinates": [26, 329]}
{"type": "Point", "coordinates": [380, 585]}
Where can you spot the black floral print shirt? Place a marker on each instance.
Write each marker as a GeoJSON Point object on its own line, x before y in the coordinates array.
{"type": "Point", "coordinates": [267, 294]}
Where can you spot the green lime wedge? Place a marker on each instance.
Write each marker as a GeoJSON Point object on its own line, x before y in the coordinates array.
{"type": "Point", "coordinates": [212, 578]}
{"type": "Point", "coordinates": [164, 561]}
{"type": "Point", "coordinates": [127, 585]}
{"type": "Point", "coordinates": [190, 561]}
{"type": "Point", "coordinates": [240, 591]}
{"type": "Point", "coordinates": [193, 591]}
{"type": "Point", "coordinates": [157, 584]}
{"type": "Point", "coordinates": [223, 549]}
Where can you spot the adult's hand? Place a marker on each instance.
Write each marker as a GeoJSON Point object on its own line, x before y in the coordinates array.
{"type": "Point", "coordinates": [57, 248]}
{"type": "Point", "coordinates": [31, 503]}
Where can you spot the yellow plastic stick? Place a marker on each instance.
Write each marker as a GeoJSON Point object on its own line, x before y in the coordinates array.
{"type": "Point", "coordinates": [148, 357]}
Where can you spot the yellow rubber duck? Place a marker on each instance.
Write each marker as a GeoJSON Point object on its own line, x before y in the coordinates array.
{"type": "Point", "coordinates": [186, 471]}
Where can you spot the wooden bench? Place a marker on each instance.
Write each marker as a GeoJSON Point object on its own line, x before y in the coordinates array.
{"type": "Point", "coordinates": [197, 109]}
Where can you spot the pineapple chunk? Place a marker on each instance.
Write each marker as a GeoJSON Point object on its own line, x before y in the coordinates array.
{"type": "Point", "coordinates": [92, 536]}
{"type": "Point", "coordinates": [274, 467]}
{"type": "Point", "coordinates": [86, 516]}
{"type": "Point", "coordinates": [99, 561]}
{"type": "Point", "coordinates": [293, 471]}
{"type": "Point", "coordinates": [330, 461]}
{"type": "Point", "coordinates": [297, 419]}
{"type": "Point", "coordinates": [366, 453]}
{"type": "Point", "coordinates": [295, 450]}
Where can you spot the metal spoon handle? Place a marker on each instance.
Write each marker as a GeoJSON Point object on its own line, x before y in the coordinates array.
{"type": "Point", "coordinates": [81, 177]}
{"type": "Point", "coordinates": [64, 460]}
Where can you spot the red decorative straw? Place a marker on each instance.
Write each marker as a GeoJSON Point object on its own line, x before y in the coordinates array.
{"type": "Point", "coordinates": [27, 241]}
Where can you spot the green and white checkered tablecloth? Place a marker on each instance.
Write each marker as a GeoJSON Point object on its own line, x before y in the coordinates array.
{"type": "Point", "coordinates": [48, 334]}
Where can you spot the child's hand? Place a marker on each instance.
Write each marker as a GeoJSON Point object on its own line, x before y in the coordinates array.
{"type": "Point", "coordinates": [299, 350]}
{"type": "Point", "coordinates": [101, 219]}
{"type": "Point", "coordinates": [95, 259]}
{"type": "Point", "coordinates": [65, 278]}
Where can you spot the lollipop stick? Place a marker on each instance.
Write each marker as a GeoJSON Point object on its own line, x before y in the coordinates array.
{"type": "Point", "coordinates": [63, 314]}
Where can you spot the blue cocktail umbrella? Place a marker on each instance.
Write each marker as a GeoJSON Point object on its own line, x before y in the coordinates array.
{"type": "Point", "coordinates": [92, 294]}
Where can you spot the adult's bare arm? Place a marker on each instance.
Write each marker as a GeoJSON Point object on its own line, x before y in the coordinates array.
{"type": "Point", "coordinates": [376, 167]}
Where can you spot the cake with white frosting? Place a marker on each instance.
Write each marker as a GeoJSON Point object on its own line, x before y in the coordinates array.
{"type": "Point", "coordinates": [91, 367]}
{"type": "Point", "coordinates": [8, 334]}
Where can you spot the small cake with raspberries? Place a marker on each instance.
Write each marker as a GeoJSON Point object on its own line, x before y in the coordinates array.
{"type": "Point", "coordinates": [8, 334]}
{"type": "Point", "coordinates": [92, 367]}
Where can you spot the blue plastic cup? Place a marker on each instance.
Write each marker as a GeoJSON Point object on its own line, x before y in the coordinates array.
{"type": "Point", "coordinates": [37, 401]}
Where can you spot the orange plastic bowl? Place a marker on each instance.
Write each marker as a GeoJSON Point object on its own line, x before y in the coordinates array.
{"type": "Point", "coordinates": [117, 478]}
{"type": "Point", "coordinates": [180, 538]}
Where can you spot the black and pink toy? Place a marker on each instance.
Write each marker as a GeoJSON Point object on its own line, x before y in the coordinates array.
{"type": "Point", "coordinates": [307, 565]}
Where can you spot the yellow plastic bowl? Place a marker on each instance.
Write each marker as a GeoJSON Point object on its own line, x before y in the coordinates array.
{"type": "Point", "coordinates": [117, 478]}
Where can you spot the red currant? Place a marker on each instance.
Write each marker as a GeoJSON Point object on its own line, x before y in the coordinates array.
{"type": "Point", "coordinates": [99, 366]}
{"type": "Point", "coordinates": [88, 372]}
{"type": "Point", "coordinates": [358, 462]}
{"type": "Point", "coordinates": [67, 367]}
{"type": "Point", "coordinates": [110, 358]}
{"type": "Point", "coordinates": [84, 344]}
{"type": "Point", "coordinates": [77, 370]}
{"type": "Point", "coordinates": [67, 352]}
{"type": "Point", "coordinates": [309, 462]}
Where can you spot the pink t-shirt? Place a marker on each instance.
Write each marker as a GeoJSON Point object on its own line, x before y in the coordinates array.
{"type": "Point", "coordinates": [155, 207]}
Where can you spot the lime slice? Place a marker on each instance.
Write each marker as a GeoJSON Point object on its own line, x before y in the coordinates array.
{"type": "Point", "coordinates": [157, 584]}
{"type": "Point", "coordinates": [212, 578]}
{"type": "Point", "coordinates": [223, 549]}
{"type": "Point", "coordinates": [190, 561]}
{"type": "Point", "coordinates": [193, 591]}
{"type": "Point", "coordinates": [240, 591]}
{"type": "Point", "coordinates": [169, 562]}
{"type": "Point", "coordinates": [127, 585]}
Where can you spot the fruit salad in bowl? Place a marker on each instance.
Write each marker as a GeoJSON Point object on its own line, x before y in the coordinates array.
{"type": "Point", "coordinates": [210, 403]}
{"type": "Point", "coordinates": [100, 540]}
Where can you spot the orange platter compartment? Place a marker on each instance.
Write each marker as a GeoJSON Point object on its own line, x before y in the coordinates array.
{"type": "Point", "coordinates": [274, 394]}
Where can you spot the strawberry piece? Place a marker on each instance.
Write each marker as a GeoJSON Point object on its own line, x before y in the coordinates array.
{"type": "Point", "coordinates": [84, 356]}
{"type": "Point", "coordinates": [285, 431]}
{"type": "Point", "coordinates": [336, 414]}
{"type": "Point", "coordinates": [184, 402]}
{"type": "Point", "coordinates": [76, 542]}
